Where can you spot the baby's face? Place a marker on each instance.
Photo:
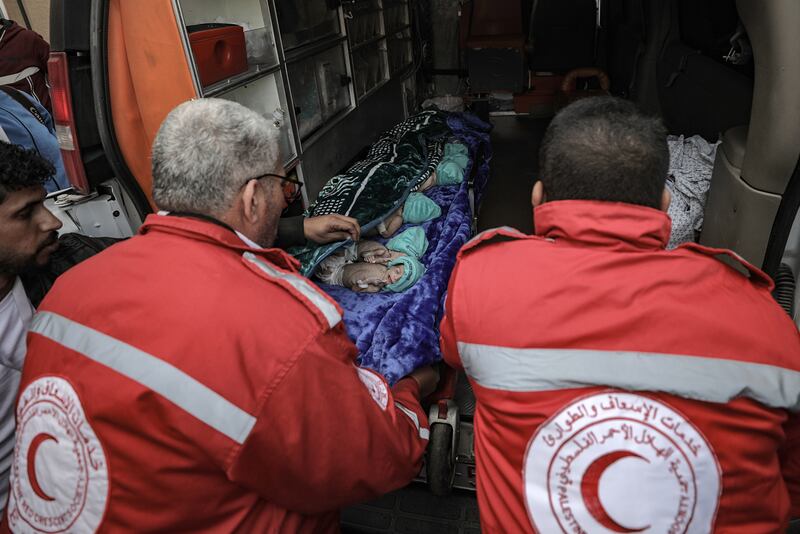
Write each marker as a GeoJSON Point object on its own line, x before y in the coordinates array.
{"type": "Point", "coordinates": [394, 273]}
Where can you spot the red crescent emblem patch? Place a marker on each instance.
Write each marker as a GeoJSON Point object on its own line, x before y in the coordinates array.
{"type": "Point", "coordinates": [59, 474]}
{"type": "Point", "coordinates": [620, 463]}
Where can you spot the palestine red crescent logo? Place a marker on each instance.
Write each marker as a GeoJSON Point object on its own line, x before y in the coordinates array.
{"type": "Point", "coordinates": [375, 385]}
{"type": "Point", "coordinates": [59, 474]}
{"type": "Point", "coordinates": [621, 463]}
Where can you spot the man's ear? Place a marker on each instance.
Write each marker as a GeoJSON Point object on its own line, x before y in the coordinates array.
{"type": "Point", "coordinates": [250, 201]}
{"type": "Point", "coordinates": [538, 196]}
{"type": "Point", "coordinates": [666, 198]}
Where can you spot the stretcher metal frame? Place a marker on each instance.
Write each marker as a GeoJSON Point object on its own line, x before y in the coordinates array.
{"type": "Point", "coordinates": [452, 464]}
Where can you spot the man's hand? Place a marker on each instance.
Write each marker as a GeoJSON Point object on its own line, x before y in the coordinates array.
{"type": "Point", "coordinates": [330, 228]}
{"type": "Point", "coordinates": [427, 378]}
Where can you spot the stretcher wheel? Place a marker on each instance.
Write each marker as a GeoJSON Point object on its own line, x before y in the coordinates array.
{"type": "Point", "coordinates": [441, 469]}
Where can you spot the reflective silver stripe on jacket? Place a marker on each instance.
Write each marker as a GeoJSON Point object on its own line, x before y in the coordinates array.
{"type": "Point", "coordinates": [168, 381]}
{"type": "Point", "coordinates": [692, 377]}
{"type": "Point", "coordinates": [14, 78]}
{"type": "Point", "coordinates": [301, 284]}
{"type": "Point", "coordinates": [424, 433]}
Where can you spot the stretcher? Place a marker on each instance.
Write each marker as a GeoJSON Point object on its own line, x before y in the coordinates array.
{"type": "Point", "coordinates": [399, 332]}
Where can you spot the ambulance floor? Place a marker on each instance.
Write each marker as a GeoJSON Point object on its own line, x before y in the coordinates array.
{"type": "Point", "coordinates": [413, 509]}
{"type": "Point", "coordinates": [515, 161]}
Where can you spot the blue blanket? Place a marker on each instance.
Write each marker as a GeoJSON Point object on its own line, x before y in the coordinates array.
{"type": "Point", "coordinates": [399, 332]}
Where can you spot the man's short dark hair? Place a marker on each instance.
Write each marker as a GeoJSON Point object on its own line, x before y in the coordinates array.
{"type": "Point", "coordinates": [603, 148]}
{"type": "Point", "coordinates": [21, 168]}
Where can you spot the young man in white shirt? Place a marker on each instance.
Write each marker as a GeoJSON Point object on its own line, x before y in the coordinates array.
{"type": "Point", "coordinates": [27, 239]}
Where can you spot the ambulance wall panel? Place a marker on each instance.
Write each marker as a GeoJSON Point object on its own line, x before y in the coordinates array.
{"type": "Point", "coordinates": [339, 146]}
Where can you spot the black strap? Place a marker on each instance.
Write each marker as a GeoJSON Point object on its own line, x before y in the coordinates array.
{"type": "Point", "coordinates": [640, 49]}
{"type": "Point", "coordinates": [681, 67]}
{"type": "Point", "coordinates": [24, 102]}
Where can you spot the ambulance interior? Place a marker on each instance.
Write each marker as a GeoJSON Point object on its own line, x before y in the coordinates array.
{"type": "Point", "coordinates": [332, 75]}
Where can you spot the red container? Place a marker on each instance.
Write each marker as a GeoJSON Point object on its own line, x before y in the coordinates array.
{"type": "Point", "coordinates": [219, 51]}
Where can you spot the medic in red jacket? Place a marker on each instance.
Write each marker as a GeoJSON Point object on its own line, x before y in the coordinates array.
{"type": "Point", "coordinates": [214, 390]}
{"type": "Point", "coordinates": [622, 387]}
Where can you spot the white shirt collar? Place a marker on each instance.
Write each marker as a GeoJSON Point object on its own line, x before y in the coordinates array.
{"type": "Point", "coordinates": [247, 241]}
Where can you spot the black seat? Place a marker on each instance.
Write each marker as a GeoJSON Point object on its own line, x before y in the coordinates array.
{"type": "Point", "coordinates": [562, 35]}
{"type": "Point", "coordinates": [496, 46]}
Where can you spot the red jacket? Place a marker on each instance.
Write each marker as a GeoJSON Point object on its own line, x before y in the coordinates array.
{"type": "Point", "coordinates": [181, 381]}
{"type": "Point", "coordinates": [622, 387]}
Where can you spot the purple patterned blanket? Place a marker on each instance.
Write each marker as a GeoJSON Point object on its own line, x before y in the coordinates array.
{"type": "Point", "coordinates": [399, 332]}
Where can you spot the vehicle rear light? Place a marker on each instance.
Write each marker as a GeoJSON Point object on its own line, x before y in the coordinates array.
{"type": "Point", "coordinates": [64, 118]}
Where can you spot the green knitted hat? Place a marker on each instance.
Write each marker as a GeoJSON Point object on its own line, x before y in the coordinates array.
{"type": "Point", "coordinates": [419, 209]}
{"type": "Point", "coordinates": [411, 242]}
{"type": "Point", "coordinates": [412, 272]}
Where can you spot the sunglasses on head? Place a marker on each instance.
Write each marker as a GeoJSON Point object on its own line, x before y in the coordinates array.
{"type": "Point", "coordinates": [291, 187]}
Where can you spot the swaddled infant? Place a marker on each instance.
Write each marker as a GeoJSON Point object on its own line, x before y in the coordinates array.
{"type": "Point", "coordinates": [396, 276]}
{"type": "Point", "coordinates": [369, 266]}
{"type": "Point", "coordinates": [451, 168]}
{"type": "Point", "coordinates": [417, 209]}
